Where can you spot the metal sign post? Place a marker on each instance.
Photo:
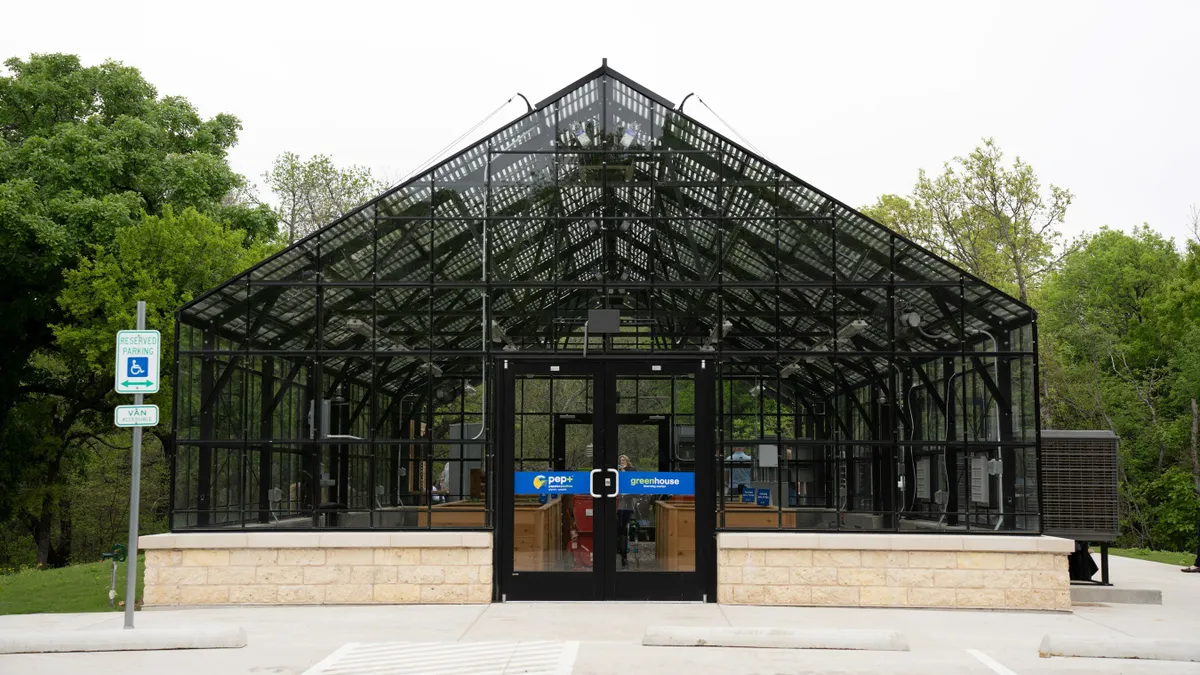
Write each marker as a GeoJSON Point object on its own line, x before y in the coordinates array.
{"type": "Point", "coordinates": [137, 374]}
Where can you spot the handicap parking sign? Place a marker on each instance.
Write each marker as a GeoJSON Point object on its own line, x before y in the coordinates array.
{"type": "Point", "coordinates": [137, 361]}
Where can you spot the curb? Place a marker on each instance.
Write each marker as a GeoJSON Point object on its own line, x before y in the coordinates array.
{"type": "Point", "coordinates": [773, 638]}
{"type": "Point", "coordinates": [140, 639]}
{"type": "Point", "coordinates": [1128, 596]}
{"type": "Point", "coordinates": [1119, 648]}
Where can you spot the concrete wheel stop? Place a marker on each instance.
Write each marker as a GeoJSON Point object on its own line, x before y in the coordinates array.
{"type": "Point", "coordinates": [108, 640]}
{"type": "Point", "coordinates": [773, 638]}
{"type": "Point", "coordinates": [1115, 595]}
{"type": "Point", "coordinates": [1109, 647]}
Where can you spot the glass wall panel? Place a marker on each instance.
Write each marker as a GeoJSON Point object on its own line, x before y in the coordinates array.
{"type": "Point", "coordinates": [864, 383]}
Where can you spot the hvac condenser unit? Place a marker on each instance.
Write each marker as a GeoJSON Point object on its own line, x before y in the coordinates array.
{"type": "Point", "coordinates": [1079, 485]}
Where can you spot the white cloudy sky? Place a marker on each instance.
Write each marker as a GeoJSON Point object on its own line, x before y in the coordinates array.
{"type": "Point", "coordinates": [1102, 98]}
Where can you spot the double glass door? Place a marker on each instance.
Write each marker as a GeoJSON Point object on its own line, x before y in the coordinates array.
{"type": "Point", "coordinates": [601, 493]}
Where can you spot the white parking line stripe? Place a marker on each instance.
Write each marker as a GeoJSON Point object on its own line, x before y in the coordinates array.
{"type": "Point", "coordinates": [566, 662]}
{"type": "Point", "coordinates": [333, 658]}
{"type": "Point", "coordinates": [449, 658]}
{"type": "Point", "coordinates": [990, 662]}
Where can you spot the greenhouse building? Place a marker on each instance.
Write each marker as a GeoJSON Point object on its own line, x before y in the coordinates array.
{"type": "Point", "coordinates": [605, 353]}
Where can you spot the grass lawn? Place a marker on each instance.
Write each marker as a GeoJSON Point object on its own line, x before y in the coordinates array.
{"type": "Point", "coordinates": [77, 588]}
{"type": "Point", "coordinates": [1168, 557]}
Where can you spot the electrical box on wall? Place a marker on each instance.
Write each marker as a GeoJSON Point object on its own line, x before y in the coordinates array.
{"type": "Point", "coordinates": [768, 456]}
{"type": "Point", "coordinates": [923, 478]}
{"type": "Point", "coordinates": [604, 321]}
{"type": "Point", "coordinates": [980, 479]}
{"type": "Point", "coordinates": [326, 414]}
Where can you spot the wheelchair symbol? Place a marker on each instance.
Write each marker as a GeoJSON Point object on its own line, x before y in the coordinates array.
{"type": "Point", "coordinates": [138, 366]}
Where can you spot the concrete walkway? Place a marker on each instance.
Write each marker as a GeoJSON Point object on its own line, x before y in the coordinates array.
{"type": "Point", "coordinates": [292, 640]}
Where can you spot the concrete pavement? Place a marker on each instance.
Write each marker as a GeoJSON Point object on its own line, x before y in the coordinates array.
{"type": "Point", "coordinates": [291, 640]}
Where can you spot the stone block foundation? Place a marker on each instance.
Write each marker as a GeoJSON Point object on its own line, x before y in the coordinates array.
{"type": "Point", "coordinates": [901, 570]}
{"type": "Point", "coordinates": [317, 568]}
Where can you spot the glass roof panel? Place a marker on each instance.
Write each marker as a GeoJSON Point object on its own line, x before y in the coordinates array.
{"type": "Point", "coordinates": [605, 182]}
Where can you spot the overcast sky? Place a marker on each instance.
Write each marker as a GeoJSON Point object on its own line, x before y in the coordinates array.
{"type": "Point", "coordinates": [1102, 98]}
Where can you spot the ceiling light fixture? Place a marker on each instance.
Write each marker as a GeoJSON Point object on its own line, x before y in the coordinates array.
{"type": "Point", "coordinates": [498, 335]}
{"type": "Point", "coordinates": [851, 329]}
{"type": "Point", "coordinates": [363, 328]}
{"type": "Point", "coordinates": [719, 331]}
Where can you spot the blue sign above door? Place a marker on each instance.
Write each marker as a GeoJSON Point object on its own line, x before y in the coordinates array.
{"type": "Point", "coordinates": [657, 483]}
{"type": "Point", "coordinates": [550, 483]}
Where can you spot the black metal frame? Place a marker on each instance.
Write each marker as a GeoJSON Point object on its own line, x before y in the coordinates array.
{"type": "Point", "coordinates": [604, 582]}
{"type": "Point", "coordinates": [386, 314]}
{"type": "Point", "coordinates": [562, 421]}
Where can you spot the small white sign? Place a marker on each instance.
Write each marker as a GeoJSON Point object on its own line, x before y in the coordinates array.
{"type": "Point", "coordinates": [137, 361]}
{"type": "Point", "coordinates": [136, 415]}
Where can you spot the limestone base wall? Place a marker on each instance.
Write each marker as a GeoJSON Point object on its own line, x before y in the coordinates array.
{"type": "Point", "coordinates": [317, 568]}
{"type": "Point", "coordinates": [999, 572]}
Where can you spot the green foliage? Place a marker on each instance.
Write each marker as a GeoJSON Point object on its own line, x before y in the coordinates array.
{"type": "Point", "coordinates": [86, 150]}
{"type": "Point", "coordinates": [1108, 297]}
{"type": "Point", "coordinates": [991, 219]}
{"type": "Point", "coordinates": [108, 194]}
{"type": "Point", "coordinates": [77, 588]}
{"type": "Point", "coordinates": [1120, 337]}
{"type": "Point", "coordinates": [1172, 509]}
{"type": "Point", "coordinates": [756, 415]}
{"type": "Point", "coordinates": [1119, 322]}
{"type": "Point", "coordinates": [314, 193]}
{"type": "Point", "coordinates": [165, 260]}
{"type": "Point", "coordinates": [99, 493]}
{"type": "Point", "coordinates": [1168, 557]}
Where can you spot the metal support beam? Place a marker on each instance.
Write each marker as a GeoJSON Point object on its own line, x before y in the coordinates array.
{"type": "Point", "coordinates": [932, 389]}
{"type": "Point", "coordinates": [1008, 455]}
{"type": "Point", "coordinates": [266, 431]}
{"type": "Point", "coordinates": [204, 471]}
{"type": "Point", "coordinates": [289, 381]}
{"type": "Point", "coordinates": [210, 396]}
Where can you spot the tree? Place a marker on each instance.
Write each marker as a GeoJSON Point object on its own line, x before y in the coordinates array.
{"type": "Point", "coordinates": [990, 219]}
{"type": "Point", "coordinates": [1118, 342]}
{"type": "Point", "coordinates": [166, 261]}
{"type": "Point", "coordinates": [57, 440]}
{"type": "Point", "coordinates": [85, 152]}
{"type": "Point", "coordinates": [314, 193]}
{"type": "Point", "coordinates": [1107, 296]}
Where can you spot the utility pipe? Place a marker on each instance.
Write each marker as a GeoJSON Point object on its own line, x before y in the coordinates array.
{"type": "Point", "coordinates": [483, 338]}
{"type": "Point", "coordinates": [996, 418]}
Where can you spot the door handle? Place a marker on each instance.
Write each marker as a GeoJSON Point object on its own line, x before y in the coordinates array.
{"type": "Point", "coordinates": [616, 483]}
{"type": "Point", "coordinates": [592, 483]}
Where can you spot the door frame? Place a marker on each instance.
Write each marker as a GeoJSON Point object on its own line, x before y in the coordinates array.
{"type": "Point", "coordinates": [604, 582]}
{"type": "Point", "coordinates": [563, 420]}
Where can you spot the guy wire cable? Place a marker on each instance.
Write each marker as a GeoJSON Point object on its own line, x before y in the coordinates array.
{"type": "Point", "coordinates": [427, 163]}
